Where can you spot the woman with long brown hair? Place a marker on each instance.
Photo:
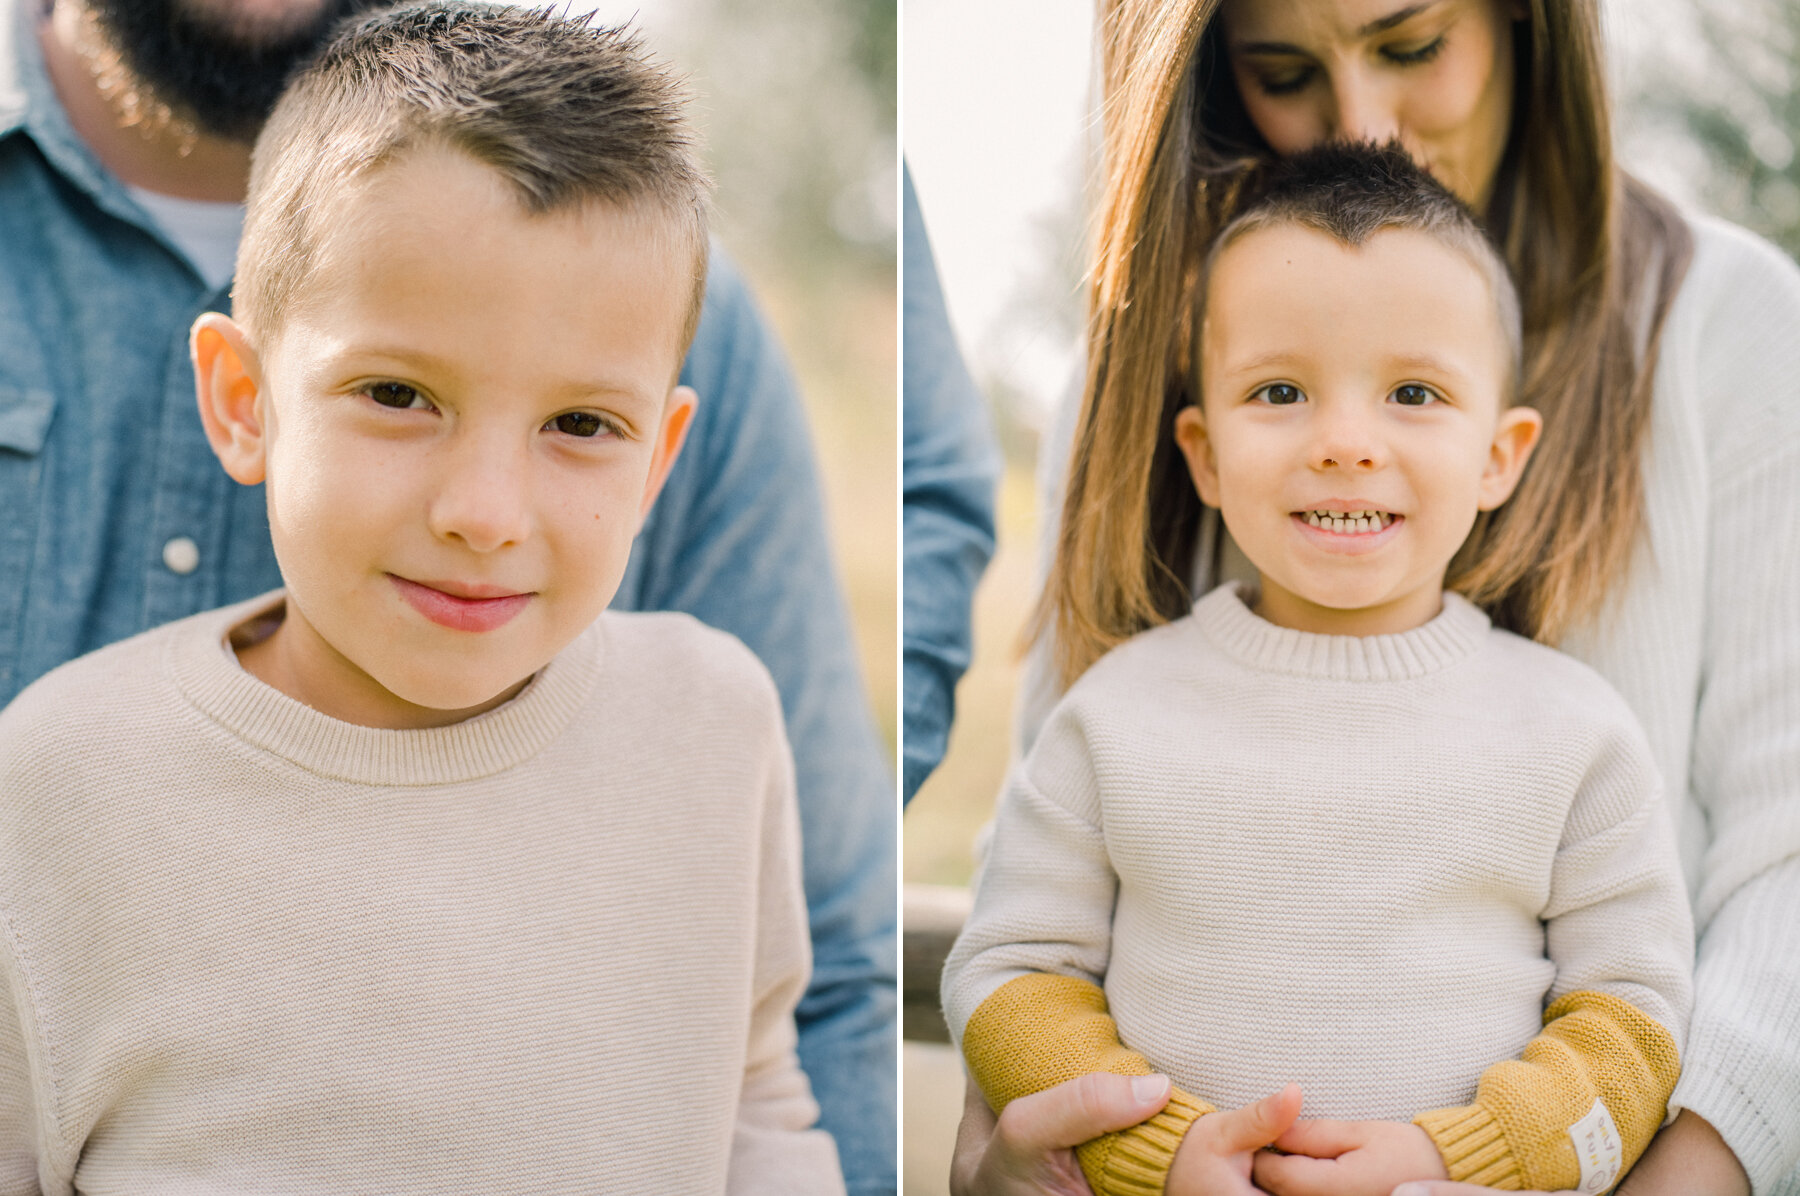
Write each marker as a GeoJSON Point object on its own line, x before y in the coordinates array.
{"type": "Point", "coordinates": [1654, 534]}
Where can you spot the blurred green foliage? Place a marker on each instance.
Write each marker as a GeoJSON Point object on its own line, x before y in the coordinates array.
{"type": "Point", "coordinates": [804, 147]}
{"type": "Point", "coordinates": [1732, 93]}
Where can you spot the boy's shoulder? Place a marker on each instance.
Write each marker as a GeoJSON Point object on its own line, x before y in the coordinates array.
{"type": "Point", "coordinates": [670, 656]}
{"type": "Point", "coordinates": [81, 736]}
{"type": "Point", "coordinates": [88, 695]}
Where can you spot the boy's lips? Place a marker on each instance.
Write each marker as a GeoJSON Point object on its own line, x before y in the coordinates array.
{"type": "Point", "coordinates": [460, 606]}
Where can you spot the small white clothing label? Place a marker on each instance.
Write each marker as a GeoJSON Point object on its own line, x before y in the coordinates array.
{"type": "Point", "coordinates": [1598, 1150]}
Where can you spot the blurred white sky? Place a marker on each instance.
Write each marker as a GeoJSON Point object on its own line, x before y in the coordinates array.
{"type": "Point", "coordinates": [995, 101]}
{"type": "Point", "coordinates": [652, 17]}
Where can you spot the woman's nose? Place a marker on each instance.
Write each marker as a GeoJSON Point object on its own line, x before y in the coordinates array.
{"type": "Point", "coordinates": [1364, 110]}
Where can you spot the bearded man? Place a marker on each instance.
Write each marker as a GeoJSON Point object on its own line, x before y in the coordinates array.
{"type": "Point", "coordinates": [125, 134]}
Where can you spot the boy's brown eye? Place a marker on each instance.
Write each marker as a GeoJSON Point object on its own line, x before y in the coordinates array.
{"type": "Point", "coordinates": [1413, 395]}
{"type": "Point", "coordinates": [393, 394]}
{"type": "Point", "coordinates": [1280, 394]}
{"type": "Point", "coordinates": [579, 423]}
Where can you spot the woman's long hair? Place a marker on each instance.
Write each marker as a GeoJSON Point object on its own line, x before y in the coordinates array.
{"type": "Point", "coordinates": [1596, 255]}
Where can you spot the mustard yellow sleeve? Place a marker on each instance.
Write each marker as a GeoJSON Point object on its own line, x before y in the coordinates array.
{"type": "Point", "coordinates": [1036, 1031]}
{"type": "Point", "coordinates": [1517, 1135]}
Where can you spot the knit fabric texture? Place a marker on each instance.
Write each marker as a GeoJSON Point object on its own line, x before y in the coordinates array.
{"type": "Point", "coordinates": [1364, 865]}
{"type": "Point", "coordinates": [1516, 1134]}
{"type": "Point", "coordinates": [553, 948]}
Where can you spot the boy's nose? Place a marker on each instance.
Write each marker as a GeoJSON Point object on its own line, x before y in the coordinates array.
{"type": "Point", "coordinates": [482, 502]}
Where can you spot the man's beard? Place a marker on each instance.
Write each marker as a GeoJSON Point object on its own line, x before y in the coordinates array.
{"type": "Point", "coordinates": [224, 79]}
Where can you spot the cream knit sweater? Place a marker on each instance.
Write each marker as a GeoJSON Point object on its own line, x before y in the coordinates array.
{"type": "Point", "coordinates": [1703, 642]}
{"type": "Point", "coordinates": [1363, 865]}
{"type": "Point", "coordinates": [556, 948]}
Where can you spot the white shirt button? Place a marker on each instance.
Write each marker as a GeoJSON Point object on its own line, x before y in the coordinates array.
{"type": "Point", "coordinates": [181, 555]}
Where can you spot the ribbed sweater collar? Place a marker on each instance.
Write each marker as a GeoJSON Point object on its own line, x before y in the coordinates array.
{"type": "Point", "coordinates": [207, 672]}
{"type": "Point", "coordinates": [1455, 634]}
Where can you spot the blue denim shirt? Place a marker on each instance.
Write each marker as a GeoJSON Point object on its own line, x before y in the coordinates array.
{"type": "Point", "coordinates": [103, 465]}
{"type": "Point", "coordinates": [948, 468]}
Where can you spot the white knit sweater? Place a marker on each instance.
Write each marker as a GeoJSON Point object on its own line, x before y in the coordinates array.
{"type": "Point", "coordinates": [555, 948]}
{"type": "Point", "coordinates": [1362, 865]}
{"type": "Point", "coordinates": [1703, 642]}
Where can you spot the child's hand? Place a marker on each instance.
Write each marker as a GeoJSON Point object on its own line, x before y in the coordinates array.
{"type": "Point", "coordinates": [1217, 1152]}
{"type": "Point", "coordinates": [1348, 1158]}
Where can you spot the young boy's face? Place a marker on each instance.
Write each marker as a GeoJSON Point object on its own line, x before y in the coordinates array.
{"type": "Point", "coordinates": [461, 423]}
{"type": "Point", "coordinates": [1342, 382]}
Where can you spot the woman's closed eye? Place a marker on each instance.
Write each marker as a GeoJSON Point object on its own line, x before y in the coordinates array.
{"type": "Point", "coordinates": [1286, 80]}
{"type": "Point", "coordinates": [1414, 53]}
{"type": "Point", "coordinates": [1278, 394]}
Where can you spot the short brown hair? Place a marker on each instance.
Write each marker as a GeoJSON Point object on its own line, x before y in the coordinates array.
{"type": "Point", "coordinates": [565, 112]}
{"type": "Point", "coordinates": [1350, 191]}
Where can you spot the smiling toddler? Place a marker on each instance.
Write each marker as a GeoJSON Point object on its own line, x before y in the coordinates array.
{"type": "Point", "coordinates": [424, 874]}
{"type": "Point", "coordinates": [1335, 829]}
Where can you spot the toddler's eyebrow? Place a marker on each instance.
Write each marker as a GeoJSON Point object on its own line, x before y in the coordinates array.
{"type": "Point", "coordinates": [1273, 359]}
{"type": "Point", "coordinates": [1428, 363]}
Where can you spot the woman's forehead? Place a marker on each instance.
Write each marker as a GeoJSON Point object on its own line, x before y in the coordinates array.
{"type": "Point", "coordinates": [1301, 21]}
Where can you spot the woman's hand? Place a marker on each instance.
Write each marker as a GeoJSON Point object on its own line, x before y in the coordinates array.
{"type": "Point", "coordinates": [1685, 1157]}
{"type": "Point", "coordinates": [1348, 1158]}
{"type": "Point", "coordinates": [1218, 1152]}
{"type": "Point", "coordinates": [1029, 1149]}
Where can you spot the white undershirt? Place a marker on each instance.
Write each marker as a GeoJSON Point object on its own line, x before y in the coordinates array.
{"type": "Point", "coordinates": [206, 232]}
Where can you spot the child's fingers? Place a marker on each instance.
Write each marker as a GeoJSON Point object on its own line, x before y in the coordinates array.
{"type": "Point", "coordinates": [1321, 1139]}
{"type": "Point", "coordinates": [1255, 1126]}
{"type": "Point", "coordinates": [1296, 1175]}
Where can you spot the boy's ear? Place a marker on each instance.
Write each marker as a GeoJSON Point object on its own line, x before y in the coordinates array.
{"type": "Point", "coordinates": [678, 413]}
{"type": "Point", "coordinates": [1514, 438]}
{"type": "Point", "coordinates": [228, 384]}
{"type": "Point", "coordinates": [1196, 446]}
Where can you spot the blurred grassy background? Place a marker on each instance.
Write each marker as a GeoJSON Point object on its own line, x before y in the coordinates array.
{"type": "Point", "coordinates": [796, 104]}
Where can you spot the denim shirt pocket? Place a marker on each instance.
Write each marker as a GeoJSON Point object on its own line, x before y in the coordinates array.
{"type": "Point", "coordinates": [25, 414]}
{"type": "Point", "coordinates": [24, 422]}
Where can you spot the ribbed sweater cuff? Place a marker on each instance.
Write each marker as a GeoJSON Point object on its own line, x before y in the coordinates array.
{"type": "Point", "coordinates": [1136, 1162]}
{"type": "Point", "coordinates": [1473, 1145]}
